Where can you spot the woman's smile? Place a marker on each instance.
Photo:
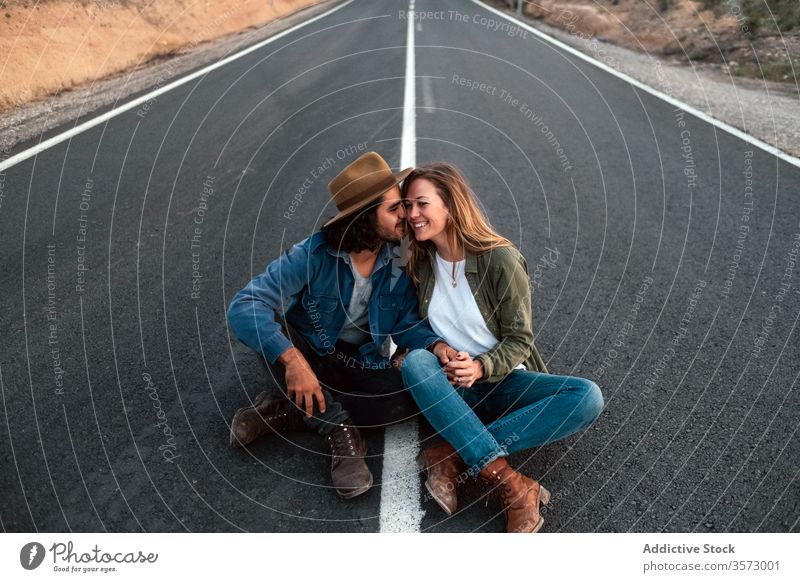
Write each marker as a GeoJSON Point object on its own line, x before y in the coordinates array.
{"type": "Point", "coordinates": [425, 210]}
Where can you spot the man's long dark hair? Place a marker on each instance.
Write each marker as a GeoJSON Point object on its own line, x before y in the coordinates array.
{"type": "Point", "coordinates": [355, 233]}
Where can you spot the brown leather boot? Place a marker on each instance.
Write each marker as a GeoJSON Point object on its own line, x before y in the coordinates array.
{"type": "Point", "coordinates": [349, 472]}
{"type": "Point", "coordinates": [444, 466]}
{"type": "Point", "coordinates": [520, 496]}
{"type": "Point", "coordinates": [269, 413]}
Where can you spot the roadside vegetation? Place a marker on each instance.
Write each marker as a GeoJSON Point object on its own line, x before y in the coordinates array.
{"type": "Point", "coordinates": [751, 38]}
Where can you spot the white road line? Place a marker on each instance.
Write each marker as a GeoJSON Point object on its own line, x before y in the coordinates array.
{"type": "Point", "coordinates": [400, 503]}
{"type": "Point", "coordinates": [648, 89]}
{"type": "Point", "coordinates": [400, 508]}
{"type": "Point", "coordinates": [408, 154]}
{"type": "Point", "coordinates": [427, 95]}
{"type": "Point", "coordinates": [95, 121]}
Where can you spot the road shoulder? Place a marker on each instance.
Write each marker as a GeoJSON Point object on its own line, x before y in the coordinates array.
{"type": "Point", "coordinates": [31, 120]}
{"type": "Point", "coordinates": [766, 110]}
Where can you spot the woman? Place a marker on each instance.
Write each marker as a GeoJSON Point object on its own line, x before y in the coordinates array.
{"type": "Point", "coordinates": [494, 397]}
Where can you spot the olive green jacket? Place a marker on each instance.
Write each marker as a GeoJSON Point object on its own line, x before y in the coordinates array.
{"type": "Point", "coordinates": [500, 284]}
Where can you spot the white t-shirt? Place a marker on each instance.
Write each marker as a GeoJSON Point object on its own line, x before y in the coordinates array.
{"type": "Point", "coordinates": [453, 312]}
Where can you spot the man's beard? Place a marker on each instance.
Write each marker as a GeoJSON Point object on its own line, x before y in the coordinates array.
{"type": "Point", "coordinates": [387, 235]}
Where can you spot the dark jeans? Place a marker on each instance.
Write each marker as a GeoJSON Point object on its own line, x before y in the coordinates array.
{"type": "Point", "coordinates": [369, 397]}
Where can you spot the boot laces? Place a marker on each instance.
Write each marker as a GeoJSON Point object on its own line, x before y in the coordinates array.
{"type": "Point", "coordinates": [275, 416]}
{"type": "Point", "coordinates": [277, 410]}
{"type": "Point", "coordinates": [341, 441]}
{"type": "Point", "coordinates": [285, 417]}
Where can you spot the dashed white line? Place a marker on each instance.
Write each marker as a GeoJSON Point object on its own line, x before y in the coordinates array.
{"type": "Point", "coordinates": [427, 95]}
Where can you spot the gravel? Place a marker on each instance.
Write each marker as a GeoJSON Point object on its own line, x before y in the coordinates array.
{"type": "Point", "coordinates": [767, 110]}
{"type": "Point", "coordinates": [34, 119]}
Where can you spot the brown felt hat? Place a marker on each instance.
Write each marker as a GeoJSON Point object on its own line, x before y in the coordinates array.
{"type": "Point", "coordinates": [361, 183]}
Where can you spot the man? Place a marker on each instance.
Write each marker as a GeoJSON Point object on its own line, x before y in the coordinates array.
{"type": "Point", "coordinates": [342, 294]}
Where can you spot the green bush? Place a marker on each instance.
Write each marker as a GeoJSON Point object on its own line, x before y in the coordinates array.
{"type": "Point", "coordinates": [772, 15]}
{"type": "Point", "coordinates": [765, 15]}
{"type": "Point", "coordinates": [770, 71]}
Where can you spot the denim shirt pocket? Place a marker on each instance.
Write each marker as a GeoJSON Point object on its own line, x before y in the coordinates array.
{"type": "Point", "coordinates": [389, 302]}
{"type": "Point", "coordinates": [388, 313]}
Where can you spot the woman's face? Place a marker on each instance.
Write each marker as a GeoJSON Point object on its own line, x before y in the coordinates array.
{"type": "Point", "coordinates": [426, 212]}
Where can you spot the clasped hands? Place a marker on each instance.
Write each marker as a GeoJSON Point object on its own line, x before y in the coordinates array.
{"type": "Point", "coordinates": [461, 370]}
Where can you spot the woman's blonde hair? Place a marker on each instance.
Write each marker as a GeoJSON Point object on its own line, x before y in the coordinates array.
{"type": "Point", "coordinates": [467, 225]}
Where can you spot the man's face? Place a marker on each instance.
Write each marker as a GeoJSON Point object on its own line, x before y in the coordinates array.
{"type": "Point", "coordinates": [392, 216]}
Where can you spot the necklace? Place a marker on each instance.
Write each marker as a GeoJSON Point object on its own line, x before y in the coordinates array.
{"type": "Point", "coordinates": [453, 280]}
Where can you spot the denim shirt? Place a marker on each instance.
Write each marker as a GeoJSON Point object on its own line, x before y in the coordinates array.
{"type": "Point", "coordinates": [309, 284]}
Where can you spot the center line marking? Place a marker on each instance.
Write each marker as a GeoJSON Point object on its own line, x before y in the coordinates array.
{"type": "Point", "coordinates": [427, 95]}
{"type": "Point", "coordinates": [400, 503]}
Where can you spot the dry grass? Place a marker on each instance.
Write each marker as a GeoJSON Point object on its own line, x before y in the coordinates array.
{"type": "Point", "coordinates": [47, 47]}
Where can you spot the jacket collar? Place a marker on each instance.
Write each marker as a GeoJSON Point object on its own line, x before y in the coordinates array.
{"type": "Point", "coordinates": [384, 256]}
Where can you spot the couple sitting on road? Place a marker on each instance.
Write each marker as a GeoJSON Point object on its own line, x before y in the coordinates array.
{"type": "Point", "coordinates": [324, 314]}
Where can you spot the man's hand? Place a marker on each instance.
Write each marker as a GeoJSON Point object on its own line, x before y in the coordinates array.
{"type": "Point", "coordinates": [444, 352]}
{"type": "Point", "coordinates": [301, 382]}
{"type": "Point", "coordinates": [399, 357]}
{"type": "Point", "coordinates": [462, 371]}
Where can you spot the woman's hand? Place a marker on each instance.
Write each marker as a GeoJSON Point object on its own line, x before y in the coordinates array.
{"type": "Point", "coordinates": [463, 371]}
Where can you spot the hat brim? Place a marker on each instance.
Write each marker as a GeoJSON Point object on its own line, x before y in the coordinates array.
{"type": "Point", "coordinates": [399, 177]}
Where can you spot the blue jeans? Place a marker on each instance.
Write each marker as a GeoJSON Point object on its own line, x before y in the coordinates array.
{"type": "Point", "coordinates": [493, 419]}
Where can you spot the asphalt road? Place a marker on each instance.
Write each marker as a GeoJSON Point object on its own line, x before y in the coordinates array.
{"type": "Point", "coordinates": [663, 256]}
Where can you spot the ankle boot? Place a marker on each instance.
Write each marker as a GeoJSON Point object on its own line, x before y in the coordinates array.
{"type": "Point", "coordinates": [349, 472]}
{"type": "Point", "coordinates": [520, 496]}
{"type": "Point", "coordinates": [444, 466]}
{"type": "Point", "coordinates": [269, 413]}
